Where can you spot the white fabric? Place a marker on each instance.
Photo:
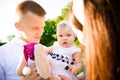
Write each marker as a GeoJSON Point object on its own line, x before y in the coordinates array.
{"type": "Point", "coordinates": [10, 54]}
{"type": "Point", "coordinates": [58, 67]}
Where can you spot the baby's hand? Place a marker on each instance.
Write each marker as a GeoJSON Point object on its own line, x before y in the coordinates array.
{"type": "Point", "coordinates": [49, 49]}
{"type": "Point", "coordinates": [64, 77]}
{"type": "Point", "coordinates": [73, 69]}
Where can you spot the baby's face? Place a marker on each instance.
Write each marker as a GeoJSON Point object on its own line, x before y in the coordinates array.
{"type": "Point", "coordinates": [66, 37]}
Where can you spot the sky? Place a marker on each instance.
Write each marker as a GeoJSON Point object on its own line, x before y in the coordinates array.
{"type": "Point", "coordinates": [7, 13]}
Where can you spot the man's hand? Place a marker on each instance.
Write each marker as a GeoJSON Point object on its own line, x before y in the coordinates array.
{"type": "Point", "coordinates": [33, 75]}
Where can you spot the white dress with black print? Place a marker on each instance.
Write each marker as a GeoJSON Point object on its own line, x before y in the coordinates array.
{"type": "Point", "coordinates": [61, 58]}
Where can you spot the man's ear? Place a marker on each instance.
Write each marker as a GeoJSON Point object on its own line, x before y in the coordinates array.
{"type": "Point", "coordinates": [17, 25]}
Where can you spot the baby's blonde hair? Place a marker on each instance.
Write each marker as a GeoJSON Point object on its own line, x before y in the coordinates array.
{"type": "Point", "coordinates": [64, 24]}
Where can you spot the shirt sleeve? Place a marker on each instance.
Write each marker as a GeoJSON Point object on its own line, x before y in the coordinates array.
{"type": "Point", "coordinates": [2, 73]}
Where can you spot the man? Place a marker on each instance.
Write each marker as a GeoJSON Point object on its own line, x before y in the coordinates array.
{"type": "Point", "coordinates": [30, 26]}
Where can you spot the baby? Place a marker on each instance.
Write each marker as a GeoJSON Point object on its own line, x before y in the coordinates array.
{"type": "Point", "coordinates": [65, 56]}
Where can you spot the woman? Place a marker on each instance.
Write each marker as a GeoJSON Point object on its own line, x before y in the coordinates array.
{"type": "Point", "coordinates": [101, 21]}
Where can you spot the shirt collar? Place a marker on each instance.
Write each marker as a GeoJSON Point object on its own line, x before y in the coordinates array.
{"type": "Point", "coordinates": [19, 41]}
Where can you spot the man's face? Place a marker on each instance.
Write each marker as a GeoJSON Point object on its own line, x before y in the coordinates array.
{"type": "Point", "coordinates": [32, 27]}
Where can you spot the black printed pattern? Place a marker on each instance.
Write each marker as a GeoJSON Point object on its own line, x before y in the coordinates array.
{"type": "Point", "coordinates": [62, 58]}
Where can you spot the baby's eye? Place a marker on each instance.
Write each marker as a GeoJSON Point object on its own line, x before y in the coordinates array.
{"type": "Point", "coordinates": [68, 34]}
{"type": "Point", "coordinates": [60, 35]}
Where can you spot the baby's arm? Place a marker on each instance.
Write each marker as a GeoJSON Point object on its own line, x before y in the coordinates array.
{"type": "Point", "coordinates": [78, 63]}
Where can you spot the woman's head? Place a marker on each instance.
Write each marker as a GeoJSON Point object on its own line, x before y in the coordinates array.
{"type": "Point", "coordinates": [78, 29]}
{"type": "Point", "coordinates": [65, 34]}
{"type": "Point", "coordinates": [101, 30]}
{"type": "Point", "coordinates": [78, 10]}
